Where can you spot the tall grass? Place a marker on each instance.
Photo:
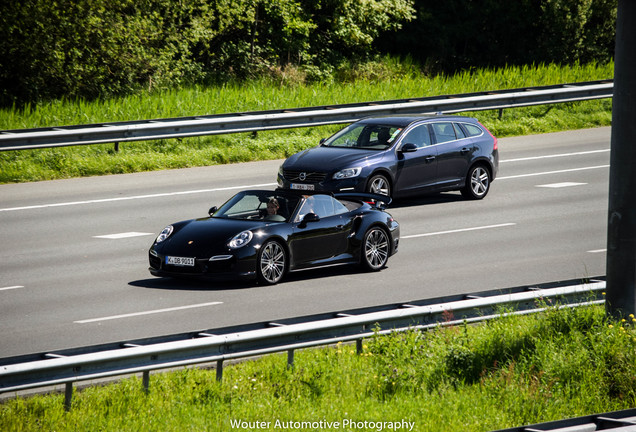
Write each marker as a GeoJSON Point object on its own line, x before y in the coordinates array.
{"type": "Point", "coordinates": [371, 82]}
{"type": "Point", "coordinates": [507, 372]}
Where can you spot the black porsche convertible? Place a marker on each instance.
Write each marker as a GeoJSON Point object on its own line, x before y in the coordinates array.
{"type": "Point", "coordinates": [264, 234]}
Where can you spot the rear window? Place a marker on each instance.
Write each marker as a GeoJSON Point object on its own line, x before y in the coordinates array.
{"type": "Point", "coordinates": [472, 129]}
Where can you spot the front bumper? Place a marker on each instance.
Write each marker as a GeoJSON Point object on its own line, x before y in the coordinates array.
{"type": "Point", "coordinates": [355, 184]}
{"type": "Point", "coordinates": [222, 267]}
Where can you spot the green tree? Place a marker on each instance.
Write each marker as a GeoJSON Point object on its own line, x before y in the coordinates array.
{"type": "Point", "coordinates": [577, 30]}
{"type": "Point", "coordinates": [457, 34]}
{"type": "Point", "coordinates": [91, 48]}
{"type": "Point", "coordinates": [100, 48]}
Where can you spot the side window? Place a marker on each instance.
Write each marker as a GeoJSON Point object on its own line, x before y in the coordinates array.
{"type": "Point", "coordinates": [458, 131]}
{"type": "Point", "coordinates": [419, 136]}
{"type": "Point", "coordinates": [322, 205]}
{"type": "Point", "coordinates": [380, 137]}
{"type": "Point", "coordinates": [444, 132]}
{"type": "Point", "coordinates": [338, 207]}
{"type": "Point", "coordinates": [472, 129]}
{"type": "Point", "coordinates": [325, 206]}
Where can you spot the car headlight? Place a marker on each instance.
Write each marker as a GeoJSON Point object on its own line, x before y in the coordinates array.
{"type": "Point", "coordinates": [347, 173]}
{"type": "Point", "coordinates": [164, 234]}
{"type": "Point", "coordinates": [241, 239]}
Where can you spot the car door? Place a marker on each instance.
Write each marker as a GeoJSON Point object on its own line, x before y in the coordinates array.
{"type": "Point", "coordinates": [454, 152]}
{"type": "Point", "coordinates": [416, 161]}
{"type": "Point", "coordinates": [320, 239]}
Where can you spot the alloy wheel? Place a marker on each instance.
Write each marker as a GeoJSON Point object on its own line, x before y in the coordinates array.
{"type": "Point", "coordinates": [380, 185]}
{"type": "Point", "coordinates": [272, 263]}
{"type": "Point", "coordinates": [376, 249]}
{"type": "Point", "coordinates": [479, 181]}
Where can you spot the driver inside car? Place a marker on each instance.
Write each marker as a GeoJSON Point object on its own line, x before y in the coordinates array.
{"type": "Point", "coordinates": [272, 211]}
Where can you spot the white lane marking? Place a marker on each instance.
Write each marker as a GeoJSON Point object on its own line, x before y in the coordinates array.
{"type": "Point", "coordinates": [458, 230]}
{"type": "Point", "coordinates": [41, 206]}
{"type": "Point", "coordinates": [159, 195]}
{"type": "Point", "coordinates": [554, 156]}
{"type": "Point", "coordinates": [552, 172]}
{"type": "Point", "coordinates": [560, 185]}
{"type": "Point", "coordinates": [122, 235]}
{"type": "Point", "coordinates": [178, 308]}
{"type": "Point", "coordinates": [597, 251]}
{"type": "Point", "coordinates": [11, 287]}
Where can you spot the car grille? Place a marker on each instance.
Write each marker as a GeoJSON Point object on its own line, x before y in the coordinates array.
{"type": "Point", "coordinates": [310, 177]}
{"type": "Point", "coordinates": [154, 262]}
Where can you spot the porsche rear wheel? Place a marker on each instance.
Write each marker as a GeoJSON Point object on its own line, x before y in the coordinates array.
{"type": "Point", "coordinates": [271, 263]}
{"type": "Point", "coordinates": [375, 249]}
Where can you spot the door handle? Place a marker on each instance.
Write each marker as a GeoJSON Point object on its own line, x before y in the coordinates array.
{"type": "Point", "coordinates": [430, 159]}
{"type": "Point", "coordinates": [464, 150]}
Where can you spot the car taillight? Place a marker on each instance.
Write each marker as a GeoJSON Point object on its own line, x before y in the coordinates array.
{"type": "Point", "coordinates": [494, 145]}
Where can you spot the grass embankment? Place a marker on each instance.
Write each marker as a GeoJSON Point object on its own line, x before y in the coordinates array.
{"type": "Point", "coordinates": [375, 81]}
{"type": "Point", "coordinates": [507, 372]}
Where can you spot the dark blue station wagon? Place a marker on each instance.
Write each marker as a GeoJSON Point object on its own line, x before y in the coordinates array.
{"type": "Point", "coordinates": [399, 156]}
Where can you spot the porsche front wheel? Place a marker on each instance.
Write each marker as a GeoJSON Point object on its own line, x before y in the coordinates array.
{"type": "Point", "coordinates": [271, 263]}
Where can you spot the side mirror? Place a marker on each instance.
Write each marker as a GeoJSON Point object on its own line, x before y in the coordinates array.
{"type": "Point", "coordinates": [408, 148]}
{"type": "Point", "coordinates": [212, 210]}
{"type": "Point", "coordinates": [308, 218]}
{"type": "Point", "coordinates": [311, 217]}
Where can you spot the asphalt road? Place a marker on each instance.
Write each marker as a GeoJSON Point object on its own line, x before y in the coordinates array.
{"type": "Point", "coordinates": [73, 254]}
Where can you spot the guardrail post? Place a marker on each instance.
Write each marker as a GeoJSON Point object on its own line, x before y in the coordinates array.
{"type": "Point", "coordinates": [219, 370]}
{"type": "Point", "coordinates": [290, 359]}
{"type": "Point", "coordinates": [358, 346]}
{"type": "Point", "coordinates": [68, 396]}
{"type": "Point", "coordinates": [146, 381]}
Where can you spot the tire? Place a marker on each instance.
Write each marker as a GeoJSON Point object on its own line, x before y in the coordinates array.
{"type": "Point", "coordinates": [271, 263]}
{"type": "Point", "coordinates": [477, 183]}
{"type": "Point", "coordinates": [379, 184]}
{"type": "Point", "coordinates": [375, 249]}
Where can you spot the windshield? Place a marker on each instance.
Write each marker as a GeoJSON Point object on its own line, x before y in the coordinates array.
{"type": "Point", "coordinates": [258, 205]}
{"type": "Point", "coordinates": [365, 136]}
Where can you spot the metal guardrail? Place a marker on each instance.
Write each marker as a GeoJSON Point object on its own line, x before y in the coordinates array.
{"type": "Point", "coordinates": [617, 421]}
{"type": "Point", "coordinates": [116, 132]}
{"type": "Point", "coordinates": [279, 337]}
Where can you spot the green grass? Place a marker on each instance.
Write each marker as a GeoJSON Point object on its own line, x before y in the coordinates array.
{"type": "Point", "coordinates": [508, 372]}
{"type": "Point", "coordinates": [371, 82]}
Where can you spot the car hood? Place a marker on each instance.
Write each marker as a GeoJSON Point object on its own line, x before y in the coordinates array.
{"type": "Point", "coordinates": [319, 158]}
{"type": "Point", "coordinates": [204, 237]}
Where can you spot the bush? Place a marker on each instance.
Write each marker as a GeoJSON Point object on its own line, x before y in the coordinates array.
{"type": "Point", "coordinates": [103, 48]}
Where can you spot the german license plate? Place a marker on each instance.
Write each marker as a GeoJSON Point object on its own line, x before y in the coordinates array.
{"type": "Point", "coordinates": [302, 186]}
{"type": "Point", "coordinates": [180, 261]}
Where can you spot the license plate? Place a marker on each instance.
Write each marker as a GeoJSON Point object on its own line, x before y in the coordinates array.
{"type": "Point", "coordinates": [180, 261]}
{"type": "Point", "coordinates": [302, 186]}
